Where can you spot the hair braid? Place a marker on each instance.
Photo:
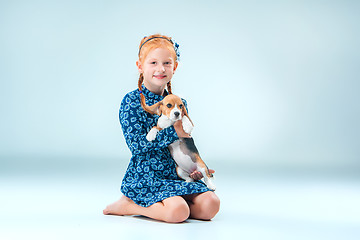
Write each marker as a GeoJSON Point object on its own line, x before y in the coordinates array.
{"type": "Point", "coordinates": [169, 87]}
{"type": "Point", "coordinates": [142, 97]}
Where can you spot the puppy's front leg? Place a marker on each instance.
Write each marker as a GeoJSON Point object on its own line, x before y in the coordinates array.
{"type": "Point", "coordinates": [152, 134]}
{"type": "Point", "coordinates": [187, 125]}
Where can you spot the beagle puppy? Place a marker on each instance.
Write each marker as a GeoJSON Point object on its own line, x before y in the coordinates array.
{"type": "Point", "coordinates": [170, 110]}
{"type": "Point", "coordinates": [183, 151]}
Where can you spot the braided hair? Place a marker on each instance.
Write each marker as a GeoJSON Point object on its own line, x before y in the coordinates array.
{"type": "Point", "coordinates": [147, 44]}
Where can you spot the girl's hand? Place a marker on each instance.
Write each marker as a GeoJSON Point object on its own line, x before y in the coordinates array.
{"type": "Point", "coordinates": [180, 131]}
{"type": "Point", "coordinates": [196, 175]}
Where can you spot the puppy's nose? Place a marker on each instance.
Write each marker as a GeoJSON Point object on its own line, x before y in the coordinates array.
{"type": "Point", "coordinates": [176, 114]}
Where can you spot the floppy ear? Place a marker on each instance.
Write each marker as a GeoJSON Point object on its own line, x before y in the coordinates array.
{"type": "Point", "coordinates": [186, 114]}
{"type": "Point", "coordinates": [155, 109]}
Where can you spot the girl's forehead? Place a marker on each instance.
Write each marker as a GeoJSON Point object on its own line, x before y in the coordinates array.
{"type": "Point", "coordinates": [159, 53]}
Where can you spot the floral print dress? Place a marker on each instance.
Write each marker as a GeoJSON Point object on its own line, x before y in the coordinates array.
{"type": "Point", "coordinates": [151, 175]}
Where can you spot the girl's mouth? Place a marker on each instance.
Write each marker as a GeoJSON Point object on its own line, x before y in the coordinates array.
{"type": "Point", "coordinates": [159, 76]}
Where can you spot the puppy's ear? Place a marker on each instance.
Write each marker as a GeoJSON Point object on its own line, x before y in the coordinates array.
{"type": "Point", "coordinates": [155, 109]}
{"type": "Point", "coordinates": [184, 112]}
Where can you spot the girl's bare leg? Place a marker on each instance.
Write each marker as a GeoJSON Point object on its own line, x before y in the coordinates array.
{"type": "Point", "coordinates": [173, 209]}
{"type": "Point", "coordinates": [203, 206]}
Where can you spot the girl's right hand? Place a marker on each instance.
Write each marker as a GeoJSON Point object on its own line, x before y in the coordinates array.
{"type": "Point", "coordinates": [196, 175]}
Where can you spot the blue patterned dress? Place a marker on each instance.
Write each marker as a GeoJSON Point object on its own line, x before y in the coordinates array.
{"type": "Point", "coordinates": [151, 176]}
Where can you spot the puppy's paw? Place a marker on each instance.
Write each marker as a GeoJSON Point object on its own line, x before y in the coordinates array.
{"type": "Point", "coordinates": [210, 184]}
{"type": "Point", "coordinates": [187, 125]}
{"type": "Point", "coordinates": [152, 134]}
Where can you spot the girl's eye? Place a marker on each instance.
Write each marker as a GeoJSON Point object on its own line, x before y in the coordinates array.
{"type": "Point", "coordinates": [167, 63]}
{"type": "Point", "coordinates": [169, 105]}
{"type": "Point", "coordinates": [153, 63]}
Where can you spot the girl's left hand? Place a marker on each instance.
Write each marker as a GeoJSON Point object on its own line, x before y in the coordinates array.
{"type": "Point", "coordinates": [196, 175]}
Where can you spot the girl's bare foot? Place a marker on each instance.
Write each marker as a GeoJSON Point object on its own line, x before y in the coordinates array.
{"type": "Point", "coordinates": [119, 207]}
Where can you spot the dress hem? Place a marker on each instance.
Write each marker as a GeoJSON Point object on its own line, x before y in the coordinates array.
{"type": "Point", "coordinates": [148, 204]}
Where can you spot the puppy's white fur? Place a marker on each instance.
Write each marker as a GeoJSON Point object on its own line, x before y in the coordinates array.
{"type": "Point", "coordinates": [152, 134]}
{"type": "Point", "coordinates": [187, 125]}
{"type": "Point", "coordinates": [173, 117]}
{"type": "Point", "coordinates": [165, 122]}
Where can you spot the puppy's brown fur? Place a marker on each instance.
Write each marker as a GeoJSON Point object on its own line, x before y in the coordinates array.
{"type": "Point", "coordinates": [166, 105]}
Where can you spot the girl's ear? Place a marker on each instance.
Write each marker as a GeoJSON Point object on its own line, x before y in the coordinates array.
{"type": "Point", "coordinates": [139, 66]}
{"type": "Point", "coordinates": [175, 66]}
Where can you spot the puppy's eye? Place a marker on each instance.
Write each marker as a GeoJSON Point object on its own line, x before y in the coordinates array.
{"type": "Point", "coordinates": [169, 105]}
{"type": "Point", "coordinates": [181, 106]}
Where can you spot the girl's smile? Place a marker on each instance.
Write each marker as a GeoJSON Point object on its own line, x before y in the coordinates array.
{"type": "Point", "coordinates": [158, 68]}
{"type": "Point", "coordinates": [160, 76]}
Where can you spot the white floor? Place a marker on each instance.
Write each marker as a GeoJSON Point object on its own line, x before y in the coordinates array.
{"type": "Point", "coordinates": [68, 205]}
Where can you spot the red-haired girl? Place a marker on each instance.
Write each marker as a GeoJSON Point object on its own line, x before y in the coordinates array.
{"type": "Point", "coordinates": [151, 186]}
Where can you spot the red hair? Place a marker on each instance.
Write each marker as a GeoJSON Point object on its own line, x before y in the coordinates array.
{"type": "Point", "coordinates": [148, 44]}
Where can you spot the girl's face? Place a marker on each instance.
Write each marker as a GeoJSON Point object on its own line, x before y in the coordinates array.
{"type": "Point", "coordinates": [158, 68]}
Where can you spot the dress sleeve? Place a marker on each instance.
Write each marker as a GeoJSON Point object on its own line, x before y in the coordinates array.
{"type": "Point", "coordinates": [185, 103]}
{"type": "Point", "coordinates": [135, 129]}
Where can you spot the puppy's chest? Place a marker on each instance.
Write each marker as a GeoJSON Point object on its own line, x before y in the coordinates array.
{"type": "Point", "coordinates": [164, 121]}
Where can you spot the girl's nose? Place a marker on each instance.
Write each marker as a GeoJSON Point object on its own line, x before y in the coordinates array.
{"type": "Point", "coordinates": [161, 68]}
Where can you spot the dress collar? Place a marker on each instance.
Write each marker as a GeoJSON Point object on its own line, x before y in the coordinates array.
{"type": "Point", "coordinates": [150, 95]}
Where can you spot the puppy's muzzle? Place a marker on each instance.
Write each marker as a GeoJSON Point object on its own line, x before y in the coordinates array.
{"type": "Point", "coordinates": [177, 114]}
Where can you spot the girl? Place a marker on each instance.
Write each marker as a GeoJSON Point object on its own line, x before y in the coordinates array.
{"type": "Point", "coordinates": [151, 186]}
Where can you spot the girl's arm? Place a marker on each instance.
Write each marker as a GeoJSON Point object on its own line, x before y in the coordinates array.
{"type": "Point", "coordinates": [133, 124]}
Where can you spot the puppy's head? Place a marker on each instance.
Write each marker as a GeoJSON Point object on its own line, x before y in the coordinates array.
{"type": "Point", "coordinates": [172, 106]}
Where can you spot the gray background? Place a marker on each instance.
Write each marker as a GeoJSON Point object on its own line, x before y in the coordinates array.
{"type": "Point", "coordinates": [272, 87]}
{"type": "Point", "coordinates": [266, 82]}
